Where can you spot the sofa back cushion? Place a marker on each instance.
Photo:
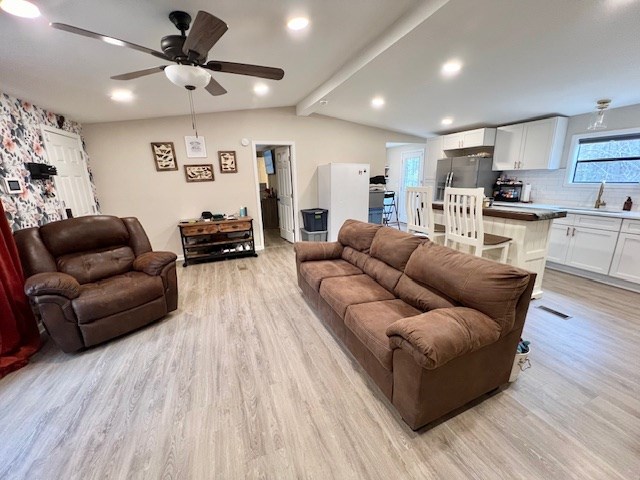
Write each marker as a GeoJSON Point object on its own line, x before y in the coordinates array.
{"type": "Point", "coordinates": [357, 235]}
{"type": "Point", "coordinates": [394, 247]}
{"type": "Point", "coordinates": [88, 267]}
{"type": "Point", "coordinates": [382, 273]}
{"type": "Point", "coordinates": [421, 296]}
{"type": "Point", "coordinates": [492, 288]}
{"type": "Point", "coordinates": [354, 257]}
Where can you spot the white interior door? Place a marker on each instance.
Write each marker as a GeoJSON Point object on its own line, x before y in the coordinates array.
{"type": "Point", "coordinates": [285, 193]}
{"type": "Point", "coordinates": [412, 175]}
{"type": "Point", "coordinates": [64, 150]}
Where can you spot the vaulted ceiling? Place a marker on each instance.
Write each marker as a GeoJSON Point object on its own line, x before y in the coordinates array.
{"type": "Point", "coordinates": [520, 59]}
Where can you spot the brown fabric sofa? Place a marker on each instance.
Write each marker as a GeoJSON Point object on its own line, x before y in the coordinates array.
{"type": "Point", "coordinates": [94, 278]}
{"type": "Point", "coordinates": [434, 328]}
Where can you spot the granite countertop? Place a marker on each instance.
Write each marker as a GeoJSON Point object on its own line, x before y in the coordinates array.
{"type": "Point", "coordinates": [601, 212]}
{"type": "Point", "coordinates": [517, 212]}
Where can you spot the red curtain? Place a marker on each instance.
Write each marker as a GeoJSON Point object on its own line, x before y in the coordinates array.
{"type": "Point", "coordinates": [19, 336]}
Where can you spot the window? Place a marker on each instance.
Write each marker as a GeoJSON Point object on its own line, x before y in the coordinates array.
{"type": "Point", "coordinates": [614, 159]}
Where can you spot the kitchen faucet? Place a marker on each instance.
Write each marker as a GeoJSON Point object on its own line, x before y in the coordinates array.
{"type": "Point", "coordinates": [599, 201]}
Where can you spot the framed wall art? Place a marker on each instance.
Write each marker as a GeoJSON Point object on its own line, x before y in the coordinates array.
{"type": "Point", "coordinates": [199, 173]}
{"type": "Point", "coordinates": [196, 147]}
{"type": "Point", "coordinates": [164, 156]}
{"type": "Point", "coordinates": [228, 162]}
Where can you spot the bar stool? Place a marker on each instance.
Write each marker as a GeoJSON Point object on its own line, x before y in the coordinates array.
{"type": "Point", "coordinates": [420, 213]}
{"type": "Point", "coordinates": [464, 224]}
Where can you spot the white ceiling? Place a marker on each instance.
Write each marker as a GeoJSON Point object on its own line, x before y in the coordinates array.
{"type": "Point", "coordinates": [522, 59]}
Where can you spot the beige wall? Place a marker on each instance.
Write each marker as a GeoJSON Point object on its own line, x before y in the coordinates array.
{"type": "Point", "coordinates": [128, 184]}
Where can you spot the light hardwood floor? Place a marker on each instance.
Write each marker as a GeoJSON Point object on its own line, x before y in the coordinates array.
{"type": "Point", "coordinates": [245, 382]}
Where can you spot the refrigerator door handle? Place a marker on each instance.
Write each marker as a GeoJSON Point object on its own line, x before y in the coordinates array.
{"type": "Point", "coordinates": [451, 179]}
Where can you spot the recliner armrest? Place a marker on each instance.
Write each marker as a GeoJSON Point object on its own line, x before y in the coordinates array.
{"type": "Point", "coordinates": [310, 251]}
{"type": "Point", "coordinates": [152, 263]}
{"type": "Point", "coordinates": [52, 283]}
{"type": "Point", "coordinates": [438, 336]}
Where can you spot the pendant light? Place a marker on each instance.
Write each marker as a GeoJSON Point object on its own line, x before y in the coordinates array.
{"type": "Point", "coordinates": [597, 117]}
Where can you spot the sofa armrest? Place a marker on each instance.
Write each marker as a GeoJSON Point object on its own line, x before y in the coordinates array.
{"type": "Point", "coordinates": [438, 336]}
{"type": "Point", "coordinates": [310, 251]}
{"type": "Point", "coordinates": [52, 283]}
{"type": "Point", "coordinates": [152, 263]}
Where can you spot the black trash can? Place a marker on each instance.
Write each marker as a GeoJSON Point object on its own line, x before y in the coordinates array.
{"type": "Point", "coordinates": [314, 219]}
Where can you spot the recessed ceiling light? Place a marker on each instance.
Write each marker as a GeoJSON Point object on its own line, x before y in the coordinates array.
{"type": "Point", "coordinates": [20, 8]}
{"type": "Point", "coordinates": [447, 121]}
{"type": "Point", "coordinates": [452, 67]}
{"type": "Point", "coordinates": [260, 89]}
{"type": "Point", "coordinates": [377, 102]}
{"type": "Point", "coordinates": [122, 95]}
{"type": "Point", "coordinates": [298, 23]}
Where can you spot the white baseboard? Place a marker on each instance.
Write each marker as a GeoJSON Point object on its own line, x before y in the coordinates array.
{"type": "Point", "coordinates": [596, 277]}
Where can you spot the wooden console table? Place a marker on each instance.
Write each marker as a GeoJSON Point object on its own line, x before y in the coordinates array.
{"type": "Point", "coordinates": [217, 240]}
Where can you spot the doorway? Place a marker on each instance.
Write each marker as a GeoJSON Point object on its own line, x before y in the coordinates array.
{"type": "Point", "coordinates": [65, 152]}
{"type": "Point", "coordinates": [276, 192]}
{"type": "Point", "coordinates": [411, 176]}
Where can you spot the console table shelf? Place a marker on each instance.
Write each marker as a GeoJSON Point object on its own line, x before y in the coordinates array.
{"type": "Point", "coordinates": [217, 240]}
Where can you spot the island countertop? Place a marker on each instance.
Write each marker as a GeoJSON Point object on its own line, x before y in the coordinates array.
{"type": "Point", "coordinates": [526, 214]}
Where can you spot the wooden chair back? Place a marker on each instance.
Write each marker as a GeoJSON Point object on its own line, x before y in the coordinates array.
{"type": "Point", "coordinates": [420, 210]}
{"type": "Point", "coordinates": [463, 217]}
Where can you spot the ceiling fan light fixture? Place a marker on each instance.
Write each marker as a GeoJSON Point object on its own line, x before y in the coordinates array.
{"type": "Point", "coordinates": [20, 8]}
{"type": "Point", "coordinates": [187, 76]}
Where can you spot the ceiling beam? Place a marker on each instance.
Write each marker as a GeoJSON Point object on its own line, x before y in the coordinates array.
{"type": "Point", "coordinates": [401, 27]}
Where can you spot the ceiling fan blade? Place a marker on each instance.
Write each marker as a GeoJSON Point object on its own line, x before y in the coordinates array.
{"type": "Point", "coordinates": [108, 39]}
{"type": "Point", "coordinates": [139, 73]}
{"type": "Point", "coordinates": [246, 69]}
{"type": "Point", "coordinates": [204, 34]}
{"type": "Point", "coordinates": [214, 88]}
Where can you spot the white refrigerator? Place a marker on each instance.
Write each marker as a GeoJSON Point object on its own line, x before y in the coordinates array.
{"type": "Point", "coordinates": [343, 189]}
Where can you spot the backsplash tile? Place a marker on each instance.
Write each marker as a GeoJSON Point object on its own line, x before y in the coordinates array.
{"type": "Point", "coordinates": [547, 186]}
{"type": "Point", "coordinates": [21, 142]}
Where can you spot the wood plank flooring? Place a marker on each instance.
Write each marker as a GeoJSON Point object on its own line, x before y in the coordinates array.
{"type": "Point", "coordinates": [245, 382]}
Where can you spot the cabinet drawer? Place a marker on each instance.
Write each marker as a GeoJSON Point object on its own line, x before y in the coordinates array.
{"type": "Point", "coordinates": [630, 226]}
{"type": "Point", "coordinates": [601, 223]}
{"type": "Point", "coordinates": [235, 227]}
{"type": "Point", "coordinates": [568, 220]}
{"type": "Point", "coordinates": [200, 230]}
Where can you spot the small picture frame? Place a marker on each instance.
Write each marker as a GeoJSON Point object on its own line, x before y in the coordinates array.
{"type": "Point", "coordinates": [196, 147]}
{"type": "Point", "coordinates": [228, 162]}
{"type": "Point", "coordinates": [164, 156]}
{"type": "Point", "coordinates": [199, 173]}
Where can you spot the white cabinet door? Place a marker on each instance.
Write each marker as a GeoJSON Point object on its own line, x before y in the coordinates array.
{"type": "Point", "coordinates": [508, 148]}
{"type": "Point", "coordinates": [559, 240]}
{"type": "Point", "coordinates": [452, 141]}
{"type": "Point", "coordinates": [481, 137]}
{"type": "Point", "coordinates": [591, 249]}
{"type": "Point", "coordinates": [538, 137]}
{"type": "Point", "coordinates": [626, 259]}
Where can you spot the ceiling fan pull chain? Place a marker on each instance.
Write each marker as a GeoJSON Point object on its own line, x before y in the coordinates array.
{"type": "Point", "coordinates": [193, 113]}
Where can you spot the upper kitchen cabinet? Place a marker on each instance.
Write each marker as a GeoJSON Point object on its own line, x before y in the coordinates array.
{"type": "Point", "coordinates": [481, 137]}
{"type": "Point", "coordinates": [530, 146]}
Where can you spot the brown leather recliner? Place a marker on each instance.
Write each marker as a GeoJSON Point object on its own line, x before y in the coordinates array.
{"type": "Point", "coordinates": [94, 278]}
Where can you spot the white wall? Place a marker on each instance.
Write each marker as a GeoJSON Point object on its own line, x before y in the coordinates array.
{"type": "Point", "coordinates": [128, 184]}
{"type": "Point", "coordinates": [548, 186]}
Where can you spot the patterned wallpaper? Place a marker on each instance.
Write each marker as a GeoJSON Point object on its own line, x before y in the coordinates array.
{"type": "Point", "coordinates": [22, 142]}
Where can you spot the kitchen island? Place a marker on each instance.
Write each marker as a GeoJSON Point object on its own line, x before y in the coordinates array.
{"type": "Point", "coordinates": [528, 227]}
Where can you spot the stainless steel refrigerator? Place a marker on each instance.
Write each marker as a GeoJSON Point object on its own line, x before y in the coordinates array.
{"type": "Point", "coordinates": [465, 172]}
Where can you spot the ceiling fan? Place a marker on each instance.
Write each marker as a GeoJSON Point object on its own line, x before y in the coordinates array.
{"type": "Point", "coordinates": [188, 52]}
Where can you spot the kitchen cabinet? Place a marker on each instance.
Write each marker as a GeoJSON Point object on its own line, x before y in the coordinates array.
{"type": "Point", "coordinates": [533, 145]}
{"type": "Point", "coordinates": [480, 137]}
{"type": "Point", "coordinates": [626, 259]}
{"type": "Point", "coordinates": [584, 241]}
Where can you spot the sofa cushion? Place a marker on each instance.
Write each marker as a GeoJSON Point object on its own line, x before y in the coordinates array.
{"type": "Point", "coordinates": [382, 273]}
{"type": "Point", "coordinates": [87, 267]}
{"type": "Point", "coordinates": [358, 235]}
{"type": "Point", "coordinates": [421, 296]}
{"type": "Point", "coordinates": [116, 294]}
{"type": "Point", "coordinates": [354, 257]}
{"type": "Point", "coordinates": [490, 287]}
{"type": "Point", "coordinates": [369, 322]}
{"type": "Point", "coordinates": [340, 292]}
{"type": "Point", "coordinates": [394, 247]}
{"type": "Point", "coordinates": [315, 272]}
